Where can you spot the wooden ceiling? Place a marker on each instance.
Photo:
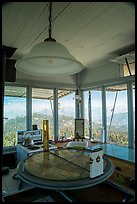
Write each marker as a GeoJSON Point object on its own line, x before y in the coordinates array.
{"type": "Point", "coordinates": [93, 32]}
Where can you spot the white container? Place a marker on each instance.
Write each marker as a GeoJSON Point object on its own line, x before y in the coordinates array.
{"type": "Point", "coordinates": [96, 163]}
{"type": "Point", "coordinates": [83, 143]}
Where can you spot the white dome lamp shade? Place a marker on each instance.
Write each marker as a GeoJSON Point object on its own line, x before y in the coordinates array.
{"type": "Point", "coordinates": [49, 58]}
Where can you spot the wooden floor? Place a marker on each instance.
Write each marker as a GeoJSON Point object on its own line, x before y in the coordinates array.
{"type": "Point", "coordinates": [124, 171]}
{"type": "Point", "coordinates": [35, 195]}
{"type": "Point", "coordinates": [99, 193]}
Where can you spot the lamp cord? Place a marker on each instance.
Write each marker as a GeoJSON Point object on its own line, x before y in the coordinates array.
{"type": "Point", "coordinates": [50, 18]}
{"type": "Point", "coordinates": [46, 27]}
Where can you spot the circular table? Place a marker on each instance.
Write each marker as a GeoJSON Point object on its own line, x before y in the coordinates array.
{"type": "Point", "coordinates": [61, 169]}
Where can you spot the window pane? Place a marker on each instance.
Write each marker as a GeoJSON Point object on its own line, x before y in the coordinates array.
{"type": "Point", "coordinates": [130, 70]}
{"type": "Point", "coordinates": [86, 114]}
{"type": "Point", "coordinates": [14, 113]}
{"type": "Point", "coordinates": [66, 114]}
{"type": "Point", "coordinates": [42, 109]}
{"type": "Point", "coordinates": [96, 113]}
{"type": "Point", "coordinates": [93, 114]}
{"type": "Point", "coordinates": [117, 115]}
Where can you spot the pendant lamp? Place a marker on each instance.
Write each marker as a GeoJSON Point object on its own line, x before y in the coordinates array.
{"type": "Point", "coordinates": [49, 58]}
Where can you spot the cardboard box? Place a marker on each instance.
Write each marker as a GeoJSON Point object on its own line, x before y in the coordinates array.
{"type": "Point", "coordinates": [96, 162]}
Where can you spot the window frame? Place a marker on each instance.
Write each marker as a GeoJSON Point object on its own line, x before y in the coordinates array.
{"type": "Point", "coordinates": [129, 80]}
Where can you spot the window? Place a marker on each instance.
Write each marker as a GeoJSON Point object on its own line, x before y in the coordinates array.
{"type": "Point", "coordinates": [117, 115]}
{"type": "Point", "coordinates": [42, 109]}
{"type": "Point", "coordinates": [14, 113]}
{"type": "Point", "coordinates": [130, 70]}
{"type": "Point", "coordinates": [66, 114]}
{"type": "Point", "coordinates": [93, 113]}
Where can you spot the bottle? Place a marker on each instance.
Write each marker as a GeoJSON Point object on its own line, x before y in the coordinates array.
{"type": "Point", "coordinates": [46, 135]}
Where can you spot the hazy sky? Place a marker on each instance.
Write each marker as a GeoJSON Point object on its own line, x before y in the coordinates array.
{"type": "Point", "coordinates": [17, 106]}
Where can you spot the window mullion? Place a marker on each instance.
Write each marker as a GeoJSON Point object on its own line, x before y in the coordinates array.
{"type": "Point", "coordinates": [29, 108]}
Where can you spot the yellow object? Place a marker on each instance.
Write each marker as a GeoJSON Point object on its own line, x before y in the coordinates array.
{"type": "Point", "coordinates": [46, 135]}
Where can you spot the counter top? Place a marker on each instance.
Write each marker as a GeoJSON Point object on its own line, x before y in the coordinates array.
{"type": "Point", "coordinates": [36, 148]}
